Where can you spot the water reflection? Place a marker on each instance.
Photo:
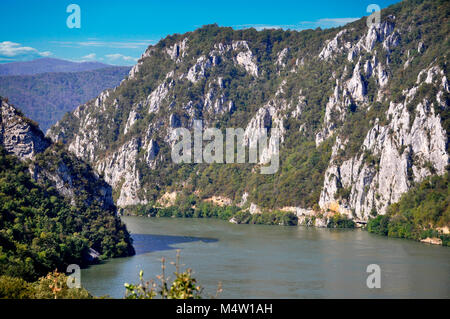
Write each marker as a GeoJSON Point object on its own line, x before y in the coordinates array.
{"type": "Point", "coordinates": [146, 243]}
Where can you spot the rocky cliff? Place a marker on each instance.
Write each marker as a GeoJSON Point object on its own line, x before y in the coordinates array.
{"type": "Point", "coordinates": [362, 113]}
{"type": "Point", "coordinates": [18, 134]}
{"type": "Point", "coordinates": [55, 197]}
{"type": "Point", "coordinates": [50, 164]}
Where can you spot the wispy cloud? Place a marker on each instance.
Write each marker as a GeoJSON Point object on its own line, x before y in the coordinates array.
{"type": "Point", "coordinates": [260, 27]}
{"type": "Point", "coordinates": [90, 56]}
{"type": "Point", "coordinates": [323, 23]}
{"type": "Point", "coordinates": [87, 58]}
{"type": "Point", "coordinates": [133, 44]}
{"type": "Point", "coordinates": [120, 57]}
{"type": "Point", "coordinates": [12, 51]}
{"type": "Point", "coordinates": [327, 22]}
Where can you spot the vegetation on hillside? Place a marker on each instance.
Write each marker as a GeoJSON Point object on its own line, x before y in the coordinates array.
{"type": "Point", "coordinates": [193, 207]}
{"type": "Point", "coordinates": [55, 286]}
{"type": "Point", "coordinates": [40, 231]}
{"type": "Point", "coordinates": [46, 97]}
{"type": "Point", "coordinates": [302, 164]}
{"type": "Point", "coordinates": [418, 214]}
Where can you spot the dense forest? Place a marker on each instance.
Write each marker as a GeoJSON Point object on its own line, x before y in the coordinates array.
{"type": "Point", "coordinates": [419, 212]}
{"type": "Point", "coordinates": [40, 231]}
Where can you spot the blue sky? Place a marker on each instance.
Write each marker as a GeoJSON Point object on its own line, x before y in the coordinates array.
{"type": "Point", "coordinates": [118, 32]}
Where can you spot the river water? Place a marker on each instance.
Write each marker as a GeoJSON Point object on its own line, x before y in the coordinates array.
{"type": "Point", "coordinates": [258, 261]}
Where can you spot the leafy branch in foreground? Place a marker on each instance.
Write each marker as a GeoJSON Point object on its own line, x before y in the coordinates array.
{"type": "Point", "coordinates": [52, 286]}
{"type": "Point", "coordinates": [184, 286]}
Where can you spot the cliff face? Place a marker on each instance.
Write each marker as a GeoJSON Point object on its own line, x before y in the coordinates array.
{"type": "Point", "coordinates": [19, 135]}
{"type": "Point", "coordinates": [362, 113]}
{"type": "Point", "coordinates": [48, 163]}
{"type": "Point", "coordinates": [60, 188]}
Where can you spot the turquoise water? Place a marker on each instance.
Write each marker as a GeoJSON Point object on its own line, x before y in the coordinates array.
{"type": "Point", "coordinates": [257, 261]}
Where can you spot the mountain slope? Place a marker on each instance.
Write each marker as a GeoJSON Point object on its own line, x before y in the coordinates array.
{"type": "Point", "coordinates": [362, 111]}
{"type": "Point", "coordinates": [54, 210]}
{"type": "Point", "coordinates": [46, 97]}
{"type": "Point", "coordinates": [422, 213]}
{"type": "Point", "coordinates": [44, 65]}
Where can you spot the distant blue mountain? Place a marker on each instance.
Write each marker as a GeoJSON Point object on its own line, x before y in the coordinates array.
{"type": "Point", "coordinates": [45, 65]}
{"type": "Point", "coordinates": [46, 89]}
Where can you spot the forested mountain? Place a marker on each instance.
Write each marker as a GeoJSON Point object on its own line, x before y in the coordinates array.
{"type": "Point", "coordinates": [54, 210]}
{"type": "Point", "coordinates": [362, 111]}
{"type": "Point", "coordinates": [46, 97]}
{"type": "Point", "coordinates": [45, 65]}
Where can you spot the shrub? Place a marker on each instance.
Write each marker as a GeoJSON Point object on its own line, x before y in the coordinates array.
{"type": "Point", "coordinates": [15, 288]}
{"type": "Point", "coordinates": [184, 286]}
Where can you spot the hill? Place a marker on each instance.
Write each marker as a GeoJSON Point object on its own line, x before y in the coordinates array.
{"type": "Point", "coordinates": [46, 97]}
{"type": "Point", "coordinates": [362, 113]}
{"type": "Point", "coordinates": [54, 210]}
{"type": "Point", "coordinates": [44, 65]}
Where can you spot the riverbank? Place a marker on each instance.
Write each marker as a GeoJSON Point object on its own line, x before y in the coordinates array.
{"type": "Point", "coordinates": [378, 225]}
{"type": "Point", "coordinates": [237, 215]}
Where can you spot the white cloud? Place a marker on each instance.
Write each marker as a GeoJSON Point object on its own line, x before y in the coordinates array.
{"type": "Point", "coordinates": [260, 27]}
{"type": "Point", "coordinates": [118, 57]}
{"type": "Point", "coordinates": [92, 42]}
{"type": "Point", "coordinates": [46, 53]}
{"type": "Point", "coordinates": [90, 56]}
{"type": "Point", "coordinates": [327, 22]}
{"type": "Point", "coordinates": [13, 51]}
{"type": "Point", "coordinates": [323, 23]}
{"type": "Point", "coordinates": [87, 58]}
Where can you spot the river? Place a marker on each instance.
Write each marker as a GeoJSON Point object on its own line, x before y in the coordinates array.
{"type": "Point", "coordinates": [258, 261]}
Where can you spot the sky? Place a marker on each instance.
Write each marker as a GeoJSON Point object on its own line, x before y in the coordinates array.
{"type": "Point", "coordinates": [118, 32]}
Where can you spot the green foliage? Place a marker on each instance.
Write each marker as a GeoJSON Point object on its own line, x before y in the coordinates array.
{"type": "Point", "coordinates": [52, 286]}
{"type": "Point", "coordinates": [340, 221]}
{"type": "Point", "coordinates": [184, 209]}
{"type": "Point", "coordinates": [419, 212]}
{"type": "Point", "coordinates": [187, 207]}
{"type": "Point", "coordinates": [379, 225]}
{"type": "Point", "coordinates": [40, 231]}
{"type": "Point", "coordinates": [266, 218]}
{"type": "Point", "coordinates": [15, 288]}
{"type": "Point", "coordinates": [184, 286]}
{"type": "Point", "coordinates": [300, 178]}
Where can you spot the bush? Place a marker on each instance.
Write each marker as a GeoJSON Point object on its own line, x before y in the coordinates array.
{"type": "Point", "coordinates": [184, 286]}
{"type": "Point", "coordinates": [379, 225]}
{"type": "Point", "coordinates": [15, 288]}
{"type": "Point", "coordinates": [54, 286]}
{"type": "Point", "coordinates": [340, 221]}
{"type": "Point", "coordinates": [267, 218]}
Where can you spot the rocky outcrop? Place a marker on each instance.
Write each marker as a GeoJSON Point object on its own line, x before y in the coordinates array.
{"type": "Point", "coordinates": [50, 164]}
{"type": "Point", "coordinates": [382, 32]}
{"type": "Point", "coordinates": [198, 70]}
{"type": "Point", "coordinates": [335, 46]}
{"type": "Point", "coordinates": [406, 150]}
{"type": "Point", "coordinates": [77, 183]}
{"type": "Point", "coordinates": [178, 50]}
{"type": "Point", "coordinates": [19, 135]}
{"type": "Point", "coordinates": [119, 170]}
